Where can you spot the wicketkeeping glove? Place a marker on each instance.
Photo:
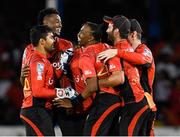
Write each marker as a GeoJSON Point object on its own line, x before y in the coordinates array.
{"type": "Point", "coordinates": [68, 92]}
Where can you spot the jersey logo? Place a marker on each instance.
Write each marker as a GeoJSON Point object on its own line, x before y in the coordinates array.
{"type": "Point", "coordinates": [112, 66]}
{"type": "Point", "coordinates": [147, 52]}
{"type": "Point", "coordinates": [51, 81]}
{"type": "Point", "coordinates": [87, 72]}
{"type": "Point", "coordinates": [103, 72]}
{"type": "Point", "coordinates": [40, 69]}
{"type": "Point", "coordinates": [26, 89]}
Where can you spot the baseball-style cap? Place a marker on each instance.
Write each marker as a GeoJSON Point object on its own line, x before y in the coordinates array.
{"type": "Point", "coordinates": [120, 22]}
{"type": "Point", "coordinates": [135, 26]}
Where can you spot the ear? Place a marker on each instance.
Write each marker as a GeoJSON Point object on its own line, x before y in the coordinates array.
{"type": "Point", "coordinates": [91, 38]}
{"type": "Point", "coordinates": [116, 32]}
{"type": "Point", "coordinates": [134, 34]}
{"type": "Point", "coordinates": [42, 41]}
{"type": "Point", "coordinates": [45, 22]}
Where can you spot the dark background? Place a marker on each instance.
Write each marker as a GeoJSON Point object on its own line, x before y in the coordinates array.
{"type": "Point", "coordinates": [161, 32]}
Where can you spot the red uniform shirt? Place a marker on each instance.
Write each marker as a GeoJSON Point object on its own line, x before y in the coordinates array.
{"type": "Point", "coordinates": [131, 90]}
{"type": "Point", "coordinates": [79, 82]}
{"type": "Point", "coordinates": [143, 59]}
{"type": "Point", "coordinates": [147, 70]}
{"type": "Point", "coordinates": [26, 55]}
{"type": "Point", "coordinates": [61, 45]}
{"type": "Point", "coordinates": [39, 86]}
{"type": "Point", "coordinates": [92, 67]}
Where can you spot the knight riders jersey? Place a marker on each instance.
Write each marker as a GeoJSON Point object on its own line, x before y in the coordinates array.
{"type": "Point", "coordinates": [79, 82]}
{"type": "Point", "coordinates": [26, 55]}
{"type": "Point", "coordinates": [131, 90]}
{"type": "Point", "coordinates": [39, 85]}
{"type": "Point", "coordinates": [143, 59]}
{"type": "Point", "coordinates": [92, 67]}
{"type": "Point", "coordinates": [60, 46]}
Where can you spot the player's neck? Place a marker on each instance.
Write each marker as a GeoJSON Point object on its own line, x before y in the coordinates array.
{"type": "Point", "coordinates": [90, 43]}
{"type": "Point", "coordinates": [135, 44]}
{"type": "Point", "coordinates": [118, 39]}
{"type": "Point", "coordinates": [41, 50]}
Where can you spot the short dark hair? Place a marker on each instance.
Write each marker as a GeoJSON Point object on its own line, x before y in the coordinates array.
{"type": "Point", "coordinates": [120, 22]}
{"type": "Point", "coordinates": [46, 12]}
{"type": "Point", "coordinates": [97, 30]}
{"type": "Point", "coordinates": [38, 32]}
{"type": "Point", "coordinates": [135, 26]}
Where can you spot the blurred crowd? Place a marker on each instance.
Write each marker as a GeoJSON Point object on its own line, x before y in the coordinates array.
{"type": "Point", "coordinates": [167, 82]}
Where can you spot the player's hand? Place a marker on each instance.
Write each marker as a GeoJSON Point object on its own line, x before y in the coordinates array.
{"type": "Point", "coordinates": [65, 58]}
{"type": "Point", "coordinates": [25, 72]}
{"type": "Point", "coordinates": [68, 92]}
{"type": "Point", "coordinates": [107, 54]}
{"type": "Point", "coordinates": [66, 103]}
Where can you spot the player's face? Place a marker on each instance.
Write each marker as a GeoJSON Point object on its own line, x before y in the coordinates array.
{"type": "Point", "coordinates": [84, 35]}
{"type": "Point", "coordinates": [110, 32]}
{"type": "Point", "coordinates": [49, 45]}
{"type": "Point", "coordinates": [131, 37]}
{"type": "Point", "coordinates": [54, 22]}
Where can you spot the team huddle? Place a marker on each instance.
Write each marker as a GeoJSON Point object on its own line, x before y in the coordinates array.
{"type": "Point", "coordinates": [89, 89]}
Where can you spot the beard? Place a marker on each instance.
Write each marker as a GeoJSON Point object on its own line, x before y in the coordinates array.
{"type": "Point", "coordinates": [110, 37]}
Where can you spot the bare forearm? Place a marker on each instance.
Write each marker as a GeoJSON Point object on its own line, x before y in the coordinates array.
{"type": "Point", "coordinates": [115, 79]}
{"type": "Point", "coordinates": [108, 82]}
{"type": "Point", "coordinates": [91, 87]}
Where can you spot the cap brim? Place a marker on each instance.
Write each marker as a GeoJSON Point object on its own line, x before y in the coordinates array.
{"type": "Point", "coordinates": [107, 19]}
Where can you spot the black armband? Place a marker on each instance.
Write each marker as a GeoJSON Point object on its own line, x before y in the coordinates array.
{"type": "Point", "coordinates": [77, 100]}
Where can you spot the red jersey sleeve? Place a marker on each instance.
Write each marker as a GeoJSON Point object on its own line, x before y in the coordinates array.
{"type": "Point", "coordinates": [86, 64]}
{"type": "Point", "coordinates": [114, 64]}
{"type": "Point", "coordinates": [141, 56]}
{"type": "Point", "coordinates": [63, 44]}
{"type": "Point", "coordinates": [38, 77]}
{"type": "Point", "coordinates": [26, 54]}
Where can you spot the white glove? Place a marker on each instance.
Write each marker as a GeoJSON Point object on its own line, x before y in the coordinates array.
{"type": "Point", "coordinates": [68, 92]}
{"type": "Point", "coordinates": [65, 58]}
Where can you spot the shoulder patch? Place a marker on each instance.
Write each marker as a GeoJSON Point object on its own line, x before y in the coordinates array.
{"type": "Point", "coordinates": [40, 69]}
{"type": "Point", "coordinates": [147, 52]}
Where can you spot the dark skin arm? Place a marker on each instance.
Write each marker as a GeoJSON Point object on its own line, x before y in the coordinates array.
{"type": "Point", "coordinates": [91, 87]}
{"type": "Point", "coordinates": [116, 78]}
{"type": "Point", "coordinates": [24, 73]}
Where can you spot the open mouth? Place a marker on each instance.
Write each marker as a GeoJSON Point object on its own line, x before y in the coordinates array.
{"type": "Point", "coordinates": [58, 30]}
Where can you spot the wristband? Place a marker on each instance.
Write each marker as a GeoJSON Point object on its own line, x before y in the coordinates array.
{"type": "Point", "coordinates": [77, 100]}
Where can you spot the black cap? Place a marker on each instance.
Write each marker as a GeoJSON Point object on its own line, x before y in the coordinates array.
{"type": "Point", "coordinates": [120, 22]}
{"type": "Point", "coordinates": [135, 26]}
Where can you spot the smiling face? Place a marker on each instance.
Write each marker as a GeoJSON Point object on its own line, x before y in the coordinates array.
{"type": "Point", "coordinates": [54, 22]}
{"type": "Point", "coordinates": [49, 43]}
{"type": "Point", "coordinates": [110, 32]}
{"type": "Point", "coordinates": [85, 35]}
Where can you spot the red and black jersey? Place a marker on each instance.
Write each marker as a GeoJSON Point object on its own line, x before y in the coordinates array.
{"type": "Point", "coordinates": [39, 86]}
{"type": "Point", "coordinates": [146, 70]}
{"type": "Point", "coordinates": [61, 46]}
{"type": "Point", "coordinates": [79, 82]}
{"type": "Point", "coordinates": [131, 90]}
{"type": "Point", "coordinates": [26, 55]}
{"type": "Point", "coordinates": [92, 67]}
{"type": "Point", "coordinates": [143, 59]}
